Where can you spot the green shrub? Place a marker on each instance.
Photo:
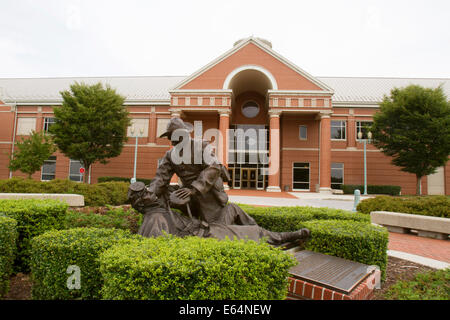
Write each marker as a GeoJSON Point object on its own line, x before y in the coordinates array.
{"type": "Point", "coordinates": [372, 189]}
{"type": "Point", "coordinates": [118, 218]}
{"type": "Point", "coordinates": [116, 192]}
{"type": "Point", "coordinates": [8, 237]}
{"type": "Point", "coordinates": [357, 241]}
{"type": "Point", "coordinates": [122, 179]}
{"type": "Point", "coordinates": [425, 286]}
{"type": "Point", "coordinates": [100, 194]}
{"type": "Point", "coordinates": [437, 206]}
{"type": "Point", "coordinates": [283, 219]}
{"type": "Point", "coordinates": [54, 251]}
{"type": "Point", "coordinates": [33, 217]}
{"type": "Point", "coordinates": [194, 268]}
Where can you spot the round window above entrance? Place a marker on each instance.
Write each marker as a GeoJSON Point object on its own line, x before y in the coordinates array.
{"type": "Point", "coordinates": [250, 109]}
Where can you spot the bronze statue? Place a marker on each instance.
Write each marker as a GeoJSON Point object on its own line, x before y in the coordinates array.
{"type": "Point", "coordinates": [202, 181]}
{"type": "Point", "coordinates": [160, 218]}
{"type": "Point", "coordinates": [205, 211]}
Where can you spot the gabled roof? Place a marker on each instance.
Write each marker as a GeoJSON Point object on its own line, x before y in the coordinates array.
{"type": "Point", "coordinates": [156, 89]}
{"type": "Point", "coordinates": [136, 89]}
{"type": "Point", "coordinates": [372, 90]}
{"type": "Point", "coordinates": [265, 47]}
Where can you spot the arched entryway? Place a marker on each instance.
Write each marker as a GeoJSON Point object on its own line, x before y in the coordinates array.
{"type": "Point", "coordinates": [248, 140]}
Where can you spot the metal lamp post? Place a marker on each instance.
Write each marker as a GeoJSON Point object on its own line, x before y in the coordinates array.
{"type": "Point", "coordinates": [369, 137]}
{"type": "Point", "coordinates": [141, 131]}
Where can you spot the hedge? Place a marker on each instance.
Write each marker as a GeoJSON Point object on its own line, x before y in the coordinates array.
{"type": "Point", "coordinates": [104, 217]}
{"type": "Point", "coordinates": [54, 251]}
{"type": "Point", "coordinates": [34, 217]}
{"type": "Point", "coordinates": [437, 206]}
{"type": "Point", "coordinates": [100, 194]}
{"type": "Point", "coordinates": [372, 189]}
{"type": "Point", "coordinates": [335, 232]}
{"type": "Point", "coordinates": [356, 241]}
{"type": "Point", "coordinates": [122, 179]}
{"type": "Point", "coordinates": [8, 237]}
{"type": "Point", "coordinates": [170, 268]}
{"type": "Point", "coordinates": [283, 219]}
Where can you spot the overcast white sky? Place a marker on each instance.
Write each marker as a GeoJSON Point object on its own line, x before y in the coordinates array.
{"type": "Point", "coordinates": [54, 38]}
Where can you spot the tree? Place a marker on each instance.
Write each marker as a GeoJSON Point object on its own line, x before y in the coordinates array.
{"type": "Point", "coordinates": [31, 153]}
{"type": "Point", "coordinates": [413, 127]}
{"type": "Point", "coordinates": [91, 125]}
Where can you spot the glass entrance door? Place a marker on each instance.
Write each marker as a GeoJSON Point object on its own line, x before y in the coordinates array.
{"type": "Point", "coordinates": [248, 178]}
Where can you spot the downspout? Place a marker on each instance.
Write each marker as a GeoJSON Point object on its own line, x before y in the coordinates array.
{"type": "Point", "coordinates": [14, 134]}
{"type": "Point", "coordinates": [320, 139]}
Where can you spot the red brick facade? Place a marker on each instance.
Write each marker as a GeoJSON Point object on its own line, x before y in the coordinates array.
{"type": "Point", "coordinates": [287, 98]}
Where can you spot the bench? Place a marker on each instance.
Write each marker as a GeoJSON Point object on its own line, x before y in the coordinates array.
{"type": "Point", "coordinates": [426, 226]}
{"type": "Point", "coordinates": [73, 200]}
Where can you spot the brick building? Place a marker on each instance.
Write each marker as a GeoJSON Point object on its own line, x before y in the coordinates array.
{"type": "Point", "coordinates": [249, 87]}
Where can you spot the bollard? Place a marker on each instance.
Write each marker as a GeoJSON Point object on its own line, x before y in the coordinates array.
{"type": "Point", "coordinates": [357, 197]}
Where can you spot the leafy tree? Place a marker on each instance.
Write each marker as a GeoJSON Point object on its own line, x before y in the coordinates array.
{"type": "Point", "coordinates": [91, 125]}
{"type": "Point", "coordinates": [413, 127]}
{"type": "Point", "coordinates": [31, 152]}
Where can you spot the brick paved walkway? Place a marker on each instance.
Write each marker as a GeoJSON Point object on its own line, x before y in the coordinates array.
{"type": "Point", "coordinates": [424, 247]}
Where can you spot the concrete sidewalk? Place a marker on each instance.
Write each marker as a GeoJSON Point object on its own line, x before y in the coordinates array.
{"type": "Point", "coordinates": [291, 199]}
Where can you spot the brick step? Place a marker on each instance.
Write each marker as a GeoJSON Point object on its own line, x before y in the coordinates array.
{"type": "Point", "coordinates": [304, 290]}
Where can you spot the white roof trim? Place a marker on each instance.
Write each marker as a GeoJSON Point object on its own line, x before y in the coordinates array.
{"type": "Point", "coordinates": [200, 91]}
{"type": "Point", "coordinates": [300, 92]}
{"type": "Point", "coordinates": [265, 48]}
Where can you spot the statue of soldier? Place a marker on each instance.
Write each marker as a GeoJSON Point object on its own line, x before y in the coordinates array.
{"type": "Point", "coordinates": [159, 218]}
{"type": "Point", "coordinates": [203, 189]}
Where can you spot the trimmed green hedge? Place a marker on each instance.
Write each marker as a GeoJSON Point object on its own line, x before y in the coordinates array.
{"type": "Point", "coordinates": [170, 268]}
{"type": "Point", "coordinates": [100, 194]}
{"type": "Point", "coordinates": [283, 219]}
{"type": "Point", "coordinates": [433, 285]}
{"type": "Point", "coordinates": [122, 179]}
{"type": "Point", "coordinates": [357, 241]}
{"type": "Point", "coordinates": [119, 218]}
{"type": "Point", "coordinates": [372, 189]}
{"type": "Point", "coordinates": [53, 252]}
{"type": "Point", "coordinates": [8, 237]}
{"type": "Point", "coordinates": [339, 233]}
{"type": "Point", "coordinates": [436, 206]}
{"type": "Point", "coordinates": [33, 217]}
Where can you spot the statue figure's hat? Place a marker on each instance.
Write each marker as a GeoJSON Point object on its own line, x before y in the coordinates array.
{"type": "Point", "coordinates": [175, 124]}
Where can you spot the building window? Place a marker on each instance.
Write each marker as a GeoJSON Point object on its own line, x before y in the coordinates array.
{"type": "Point", "coordinates": [161, 126]}
{"type": "Point", "coordinates": [337, 175]}
{"type": "Point", "coordinates": [74, 171]}
{"type": "Point", "coordinates": [25, 126]}
{"type": "Point", "coordinates": [300, 176]}
{"type": "Point", "coordinates": [48, 122]}
{"type": "Point", "coordinates": [48, 169]}
{"type": "Point", "coordinates": [338, 130]}
{"type": "Point", "coordinates": [138, 125]}
{"type": "Point", "coordinates": [250, 109]}
{"type": "Point", "coordinates": [363, 126]}
{"type": "Point", "coordinates": [303, 132]}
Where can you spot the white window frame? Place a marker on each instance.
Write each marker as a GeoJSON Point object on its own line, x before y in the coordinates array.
{"type": "Point", "coordinates": [358, 127]}
{"type": "Point", "coordinates": [343, 172]}
{"type": "Point", "coordinates": [80, 175]}
{"type": "Point", "coordinates": [309, 177]}
{"type": "Point", "coordinates": [25, 126]}
{"type": "Point", "coordinates": [300, 132]}
{"type": "Point", "coordinates": [42, 168]}
{"type": "Point", "coordinates": [47, 123]}
{"type": "Point", "coordinates": [345, 130]}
